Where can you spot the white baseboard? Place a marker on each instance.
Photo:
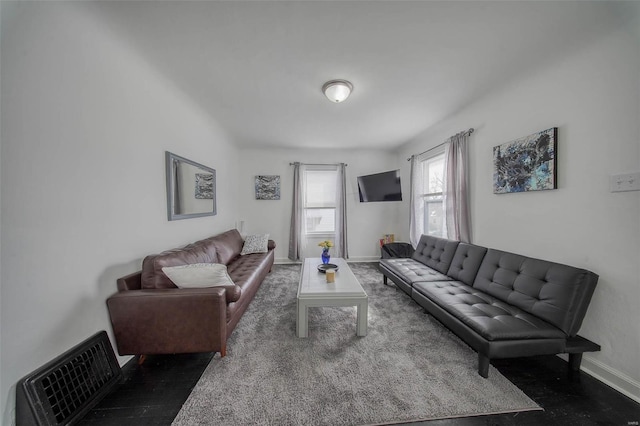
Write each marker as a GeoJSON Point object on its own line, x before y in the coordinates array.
{"type": "Point", "coordinates": [611, 377]}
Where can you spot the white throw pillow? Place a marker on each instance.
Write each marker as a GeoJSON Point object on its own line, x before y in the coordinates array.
{"type": "Point", "coordinates": [255, 244]}
{"type": "Point", "coordinates": [198, 275]}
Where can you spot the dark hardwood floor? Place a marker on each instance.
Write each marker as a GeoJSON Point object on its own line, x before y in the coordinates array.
{"type": "Point", "coordinates": [153, 393]}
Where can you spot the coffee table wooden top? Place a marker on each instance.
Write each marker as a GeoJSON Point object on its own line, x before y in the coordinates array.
{"type": "Point", "coordinates": [313, 283]}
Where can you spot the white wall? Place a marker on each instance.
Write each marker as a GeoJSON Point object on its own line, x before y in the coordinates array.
{"type": "Point", "coordinates": [593, 97]}
{"type": "Point", "coordinates": [367, 222]}
{"type": "Point", "coordinates": [85, 124]}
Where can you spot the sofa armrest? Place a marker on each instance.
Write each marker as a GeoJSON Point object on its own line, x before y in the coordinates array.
{"type": "Point", "coordinates": [396, 250]}
{"type": "Point", "coordinates": [169, 320]}
{"type": "Point", "coordinates": [232, 292]}
{"type": "Point", "coordinates": [130, 282]}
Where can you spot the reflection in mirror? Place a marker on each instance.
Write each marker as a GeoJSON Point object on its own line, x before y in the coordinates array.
{"type": "Point", "coordinates": [191, 188]}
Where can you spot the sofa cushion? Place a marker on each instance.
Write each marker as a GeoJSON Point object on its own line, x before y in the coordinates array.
{"type": "Point", "coordinates": [152, 276]}
{"type": "Point", "coordinates": [228, 245]}
{"type": "Point", "coordinates": [558, 294]}
{"type": "Point", "coordinates": [198, 275]}
{"type": "Point", "coordinates": [486, 315]}
{"type": "Point", "coordinates": [411, 271]}
{"type": "Point", "coordinates": [248, 272]}
{"type": "Point", "coordinates": [435, 252]}
{"type": "Point", "coordinates": [255, 244]}
{"type": "Point", "coordinates": [466, 262]}
{"type": "Point", "coordinates": [243, 269]}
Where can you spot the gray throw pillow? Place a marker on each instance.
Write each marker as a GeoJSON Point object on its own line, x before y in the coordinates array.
{"type": "Point", "coordinates": [255, 244]}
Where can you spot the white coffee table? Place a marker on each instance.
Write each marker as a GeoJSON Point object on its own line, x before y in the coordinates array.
{"type": "Point", "coordinates": [314, 291]}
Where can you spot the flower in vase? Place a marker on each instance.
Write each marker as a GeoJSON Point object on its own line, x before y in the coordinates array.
{"type": "Point", "coordinates": [326, 244]}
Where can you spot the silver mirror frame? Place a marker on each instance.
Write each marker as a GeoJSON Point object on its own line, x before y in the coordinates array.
{"type": "Point", "coordinates": [170, 160]}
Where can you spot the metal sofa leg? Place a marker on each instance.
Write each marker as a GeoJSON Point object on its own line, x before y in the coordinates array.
{"type": "Point", "coordinates": [483, 365]}
{"type": "Point", "coordinates": [384, 280]}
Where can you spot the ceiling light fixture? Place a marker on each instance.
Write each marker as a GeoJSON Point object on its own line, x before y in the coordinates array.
{"type": "Point", "coordinates": [337, 90]}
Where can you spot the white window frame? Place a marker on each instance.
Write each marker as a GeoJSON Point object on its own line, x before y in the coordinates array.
{"type": "Point", "coordinates": [306, 208]}
{"type": "Point", "coordinates": [430, 197]}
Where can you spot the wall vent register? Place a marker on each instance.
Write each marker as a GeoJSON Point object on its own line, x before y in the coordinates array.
{"type": "Point", "coordinates": [66, 388]}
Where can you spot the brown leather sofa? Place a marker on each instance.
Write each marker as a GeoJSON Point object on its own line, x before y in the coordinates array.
{"type": "Point", "coordinates": [150, 315]}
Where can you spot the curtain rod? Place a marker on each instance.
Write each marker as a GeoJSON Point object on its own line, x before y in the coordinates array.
{"type": "Point", "coordinates": [471, 130]}
{"type": "Point", "coordinates": [319, 164]}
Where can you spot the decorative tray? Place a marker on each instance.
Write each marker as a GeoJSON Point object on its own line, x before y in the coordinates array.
{"type": "Point", "coordinates": [323, 267]}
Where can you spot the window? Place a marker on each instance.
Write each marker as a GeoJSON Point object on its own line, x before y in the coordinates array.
{"type": "Point", "coordinates": [433, 174]}
{"type": "Point", "coordinates": [320, 201]}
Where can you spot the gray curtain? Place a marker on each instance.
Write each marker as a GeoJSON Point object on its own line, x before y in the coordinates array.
{"type": "Point", "coordinates": [297, 221]}
{"type": "Point", "coordinates": [341, 213]}
{"type": "Point", "coordinates": [456, 193]}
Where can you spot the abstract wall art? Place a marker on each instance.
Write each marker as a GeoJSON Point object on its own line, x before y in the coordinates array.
{"type": "Point", "coordinates": [268, 187]}
{"type": "Point", "coordinates": [204, 186]}
{"type": "Point", "coordinates": [526, 164]}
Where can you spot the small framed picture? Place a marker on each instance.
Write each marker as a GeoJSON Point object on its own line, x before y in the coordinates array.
{"type": "Point", "coordinates": [267, 187]}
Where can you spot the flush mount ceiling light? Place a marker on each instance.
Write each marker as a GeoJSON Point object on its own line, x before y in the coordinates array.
{"type": "Point", "coordinates": [337, 90]}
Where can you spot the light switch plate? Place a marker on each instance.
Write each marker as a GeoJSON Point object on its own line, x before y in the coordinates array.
{"type": "Point", "coordinates": [625, 182]}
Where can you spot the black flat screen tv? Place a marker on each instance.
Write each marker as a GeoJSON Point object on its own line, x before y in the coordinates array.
{"type": "Point", "coordinates": [383, 186]}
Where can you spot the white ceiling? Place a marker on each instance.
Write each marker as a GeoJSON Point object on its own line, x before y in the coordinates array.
{"type": "Point", "coordinates": [258, 67]}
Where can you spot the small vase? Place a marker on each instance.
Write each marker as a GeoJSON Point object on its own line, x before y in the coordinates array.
{"type": "Point", "coordinates": [325, 256]}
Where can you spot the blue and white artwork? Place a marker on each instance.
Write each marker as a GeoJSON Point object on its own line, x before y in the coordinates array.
{"type": "Point", "coordinates": [526, 164]}
{"type": "Point", "coordinates": [267, 187]}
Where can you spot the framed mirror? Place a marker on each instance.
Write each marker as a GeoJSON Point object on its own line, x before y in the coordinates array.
{"type": "Point", "coordinates": [191, 188]}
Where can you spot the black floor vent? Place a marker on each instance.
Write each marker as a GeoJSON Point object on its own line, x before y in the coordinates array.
{"type": "Point", "coordinates": [63, 390]}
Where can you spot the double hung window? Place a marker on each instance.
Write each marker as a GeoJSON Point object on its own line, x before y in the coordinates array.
{"type": "Point", "coordinates": [433, 199]}
{"type": "Point", "coordinates": [319, 204]}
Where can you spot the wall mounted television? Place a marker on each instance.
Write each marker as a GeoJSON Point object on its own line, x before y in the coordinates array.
{"type": "Point", "coordinates": [383, 186]}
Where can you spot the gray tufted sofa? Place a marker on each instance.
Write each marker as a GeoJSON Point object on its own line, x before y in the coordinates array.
{"type": "Point", "coordinates": [501, 304]}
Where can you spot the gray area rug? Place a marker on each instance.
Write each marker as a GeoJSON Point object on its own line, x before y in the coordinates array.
{"type": "Point", "coordinates": [408, 368]}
